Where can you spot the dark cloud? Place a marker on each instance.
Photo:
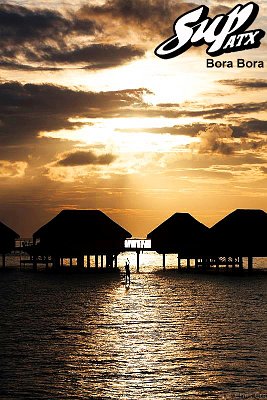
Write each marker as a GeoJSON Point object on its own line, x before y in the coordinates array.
{"type": "Point", "coordinates": [224, 110]}
{"type": "Point", "coordinates": [219, 139]}
{"type": "Point", "coordinates": [46, 40]}
{"type": "Point", "coordinates": [25, 67]}
{"type": "Point", "coordinates": [250, 126]}
{"type": "Point", "coordinates": [22, 26]}
{"type": "Point", "coordinates": [80, 158]}
{"type": "Point", "coordinates": [96, 56]}
{"type": "Point", "coordinates": [242, 130]}
{"type": "Point", "coordinates": [245, 84]}
{"type": "Point", "coordinates": [213, 111]}
{"type": "Point", "coordinates": [151, 19]}
{"type": "Point", "coordinates": [26, 110]}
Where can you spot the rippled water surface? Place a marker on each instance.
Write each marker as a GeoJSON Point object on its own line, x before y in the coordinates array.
{"type": "Point", "coordinates": [169, 336]}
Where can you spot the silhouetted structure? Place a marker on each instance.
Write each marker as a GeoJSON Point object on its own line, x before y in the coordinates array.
{"type": "Point", "coordinates": [7, 241]}
{"type": "Point", "coordinates": [240, 234]}
{"type": "Point", "coordinates": [181, 234]}
{"type": "Point", "coordinates": [74, 234]}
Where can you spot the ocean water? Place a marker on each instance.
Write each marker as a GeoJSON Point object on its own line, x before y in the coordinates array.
{"type": "Point", "coordinates": [167, 336]}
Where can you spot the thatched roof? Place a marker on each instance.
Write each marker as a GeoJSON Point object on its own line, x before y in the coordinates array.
{"type": "Point", "coordinates": [81, 230]}
{"type": "Point", "coordinates": [181, 233]}
{"type": "Point", "coordinates": [7, 238]}
{"type": "Point", "coordinates": [6, 232]}
{"type": "Point", "coordinates": [242, 232]}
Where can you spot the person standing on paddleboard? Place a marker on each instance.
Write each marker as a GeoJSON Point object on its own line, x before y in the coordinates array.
{"type": "Point", "coordinates": [127, 272]}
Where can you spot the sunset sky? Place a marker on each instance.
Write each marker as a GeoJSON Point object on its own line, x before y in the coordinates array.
{"type": "Point", "coordinates": [92, 119]}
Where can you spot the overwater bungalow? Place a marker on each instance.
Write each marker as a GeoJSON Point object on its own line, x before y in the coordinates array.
{"type": "Point", "coordinates": [74, 234]}
{"type": "Point", "coordinates": [240, 234]}
{"type": "Point", "coordinates": [7, 241]}
{"type": "Point", "coordinates": [180, 234]}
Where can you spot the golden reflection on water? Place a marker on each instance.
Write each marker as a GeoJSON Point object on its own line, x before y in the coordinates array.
{"type": "Point", "coordinates": [169, 336]}
{"type": "Point", "coordinates": [155, 340]}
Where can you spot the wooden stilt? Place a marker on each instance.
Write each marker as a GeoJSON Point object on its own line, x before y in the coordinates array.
{"type": "Point", "coordinates": [188, 263]}
{"type": "Point", "coordinates": [102, 261]}
{"type": "Point", "coordinates": [179, 262]}
{"type": "Point", "coordinates": [137, 260]}
{"type": "Point", "coordinates": [250, 263]}
{"type": "Point", "coordinates": [57, 262]}
{"type": "Point", "coordinates": [233, 262]}
{"type": "Point", "coordinates": [96, 261]}
{"type": "Point", "coordinates": [88, 261]}
{"type": "Point", "coordinates": [196, 263]}
{"type": "Point", "coordinates": [34, 263]}
{"type": "Point", "coordinates": [164, 262]}
{"type": "Point", "coordinates": [116, 261]}
{"type": "Point", "coordinates": [80, 261]}
{"type": "Point", "coordinates": [108, 261]}
{"type": "Point", "coordinates": [240, 263]}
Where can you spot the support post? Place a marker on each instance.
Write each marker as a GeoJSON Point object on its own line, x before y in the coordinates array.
{"type": "Point", "coordinates": [188, 263]}
{"type": "Point", "coordinates": [250, 263]}
{"type": "Point", "coordinates": [109, 261]}
{"type": "Point", "coordinates": [196, 263]}
{"type": "Point", "coordinates": [116, 261]}
{"type": "Point", "coordinates": [96, 261]}
{"type": "Point", "coordinates": [80, 261]}
{"type": "Point", "coordinates": [240, 263]}
{"type": "Point", "coordinates": [179, 262]}
{"type": "Point", "coordinates": [204, 263]}
{"type": "Point", "coordinates": [233, 262]}
{"type": "Point", "coordinates": [57, 262]}
{"type": "Point", "coordinates": [102, 261]}
{"type": "Point", "coordinates": [164, 261]}
{"type": "Point", "coordinates": [88, 261]}
{"type": "Point", "coordinates": [34, 263]}
{"type": "Point", "coordinates": [137, 260]}
{"type": "Point", "coordinates": [227, 263]}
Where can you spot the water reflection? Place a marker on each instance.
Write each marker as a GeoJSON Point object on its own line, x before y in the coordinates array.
{"type": "Point", "coordinates": [167, 337]}
{"type": "Point", "coordinates": [153, 340]}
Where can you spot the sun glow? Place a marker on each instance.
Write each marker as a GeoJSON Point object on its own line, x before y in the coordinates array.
{"type": "Point", "coordinates": [114, 135]}
{"type": "Point", "coordinates": [180, 84]}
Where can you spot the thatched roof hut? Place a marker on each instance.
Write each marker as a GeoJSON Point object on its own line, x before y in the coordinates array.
{"type": "Point", "coordinates": [181, 234]}
{"type": "Point", "coordinates": [242, 232]}
{"type": "Point", "coordinates": [7, 239]}
{"type": "Point", "coordinates": [75, 232]}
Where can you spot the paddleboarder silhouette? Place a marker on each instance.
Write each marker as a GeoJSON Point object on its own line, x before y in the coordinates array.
{"type": "Point", "coordinates": [127, 272]}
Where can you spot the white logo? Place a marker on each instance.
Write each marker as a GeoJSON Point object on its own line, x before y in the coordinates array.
{"type": "Point", "coordinates": [225, 33]}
